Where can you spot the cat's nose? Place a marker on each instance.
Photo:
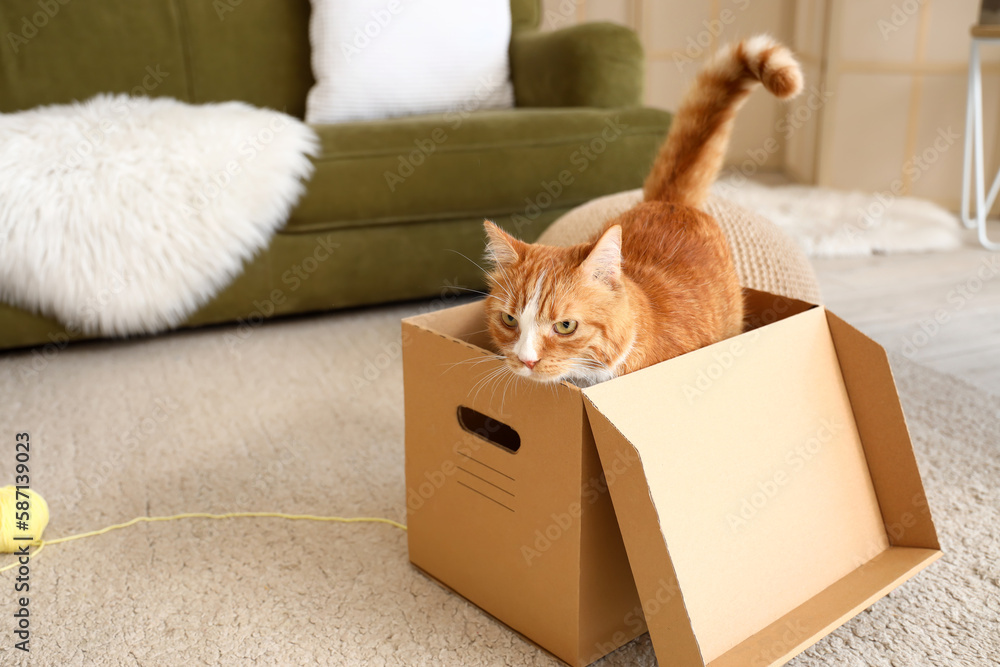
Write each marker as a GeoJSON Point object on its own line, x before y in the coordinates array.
{"type": "Point", "coordinates": [529, 363]}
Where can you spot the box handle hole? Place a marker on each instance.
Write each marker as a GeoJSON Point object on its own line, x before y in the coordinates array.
{"type": "Point", "coordinates": [489, 429]}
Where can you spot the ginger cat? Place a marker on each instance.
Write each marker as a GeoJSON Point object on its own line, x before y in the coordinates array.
{"type": "Point", "coordinates": [659, 280]}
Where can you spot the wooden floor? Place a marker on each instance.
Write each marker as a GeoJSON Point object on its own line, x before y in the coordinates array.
{"type": "Point", "coordinates": [938, 309]}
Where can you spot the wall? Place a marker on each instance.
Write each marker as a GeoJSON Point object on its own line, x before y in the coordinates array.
{"type": "Point", "coordinates": [886, 84]}
{"type": "Point", "coordinates": [678, 36]}
{"type": "Point", "coordinates": [898, 71]}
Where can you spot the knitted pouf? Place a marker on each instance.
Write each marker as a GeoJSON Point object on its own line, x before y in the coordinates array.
{"type": "Point", "coordinates": [765, 257]}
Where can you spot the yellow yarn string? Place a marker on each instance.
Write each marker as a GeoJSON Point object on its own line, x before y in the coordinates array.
{"type": "Point", "coordinates": [41, 543]}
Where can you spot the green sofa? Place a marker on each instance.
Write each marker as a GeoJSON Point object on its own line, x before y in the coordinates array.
{"type": "Point", "coordinates": [390, 200]}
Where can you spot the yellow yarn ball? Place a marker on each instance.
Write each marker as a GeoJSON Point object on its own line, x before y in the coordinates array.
{"type": "Point", "coordinates": [38, 518]}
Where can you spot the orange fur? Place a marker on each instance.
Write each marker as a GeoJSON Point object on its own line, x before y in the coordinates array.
{"type": "Point", "coordinates": [659, 281]}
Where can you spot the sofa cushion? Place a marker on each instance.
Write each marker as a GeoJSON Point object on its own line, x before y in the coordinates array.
{"type": "Point", "coordinates": [73, 51]}
{"type": "Point", "coordinates": [257, 51]}
{"type": "Point", "coordinates": [447, 166]}
{"type": "Point", "coordinates": [58, 51]}
{"type": "Point", "coordinates": [376, 59]}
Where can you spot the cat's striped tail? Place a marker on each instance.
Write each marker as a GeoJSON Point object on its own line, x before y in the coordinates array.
{"type": "Point", "coordinates": [692, 154]}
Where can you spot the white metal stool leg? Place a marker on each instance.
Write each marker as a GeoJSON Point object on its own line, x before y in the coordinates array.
{"type": "Point", "coordinates": [967, 195]}
{"type": "Point", "coordinates": [974, 153]}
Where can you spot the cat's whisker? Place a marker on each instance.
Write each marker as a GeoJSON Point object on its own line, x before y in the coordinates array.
{"type": "Point", "coordinates": [479, 386]}
{"type": "Point", "coordinates": [475, 361]}
{"type": "Point", "coordinates": [503, 395]}
{"type": "Point", "coordinates": [506, 275]}
{"type": "Point", "coordinates": [589, 363]}
{"type": "Point", "coordinates": [495, 386]}
{"type": "Point", "coordinates": [594, 360]}
{"type": "Point", "coordinates": [505, 287]}
{"type": "Point", "coordinates": [489, 377]}
{"type": "Point", "coordinates": [476, 291]}
{"type": "Point", "coordinates": [475, 263]}
{"type": "Point", "coordinates": [483, 377]}
{"type": "Point", "coordinates": [469, 289]}
{"type": "Point", "coordinates": [514, 379]}
{"type": "Point", "coordinates": [479, 266]}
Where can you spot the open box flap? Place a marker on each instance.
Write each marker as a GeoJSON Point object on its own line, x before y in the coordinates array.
{"type": "Point", "coordinates": [893, 466]}
{"type": "Point", "coordinates": [740, 484]}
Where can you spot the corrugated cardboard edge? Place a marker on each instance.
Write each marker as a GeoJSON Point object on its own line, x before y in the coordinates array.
{"type": "Point", "coordinates": [601, 561]}
{"type": "Point", "coordinates": [666, 617]}
{"type": "Point", "coordinates": [440, 319]}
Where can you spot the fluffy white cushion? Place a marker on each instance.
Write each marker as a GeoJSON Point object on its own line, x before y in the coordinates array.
{"type": "Point", "coordinates": [382, 58]}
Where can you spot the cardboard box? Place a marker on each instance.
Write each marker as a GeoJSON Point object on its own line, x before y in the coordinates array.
{"type": "Point", "coordinates": [763, 490]}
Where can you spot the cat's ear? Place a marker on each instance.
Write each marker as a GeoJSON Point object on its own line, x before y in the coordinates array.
{"type": "Point", "coordinates": [502, 248]}
{"type": "Point", "coordinates": [604, 263]}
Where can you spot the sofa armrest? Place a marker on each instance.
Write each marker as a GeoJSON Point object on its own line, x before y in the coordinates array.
{"type": "Point", "coordinates": [586, 65]}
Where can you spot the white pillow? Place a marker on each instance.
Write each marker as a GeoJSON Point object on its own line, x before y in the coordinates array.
{"type": "Point", "coordinates": [382, 58]}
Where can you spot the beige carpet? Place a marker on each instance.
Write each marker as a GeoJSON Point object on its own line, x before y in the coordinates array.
{"type": "Point", "coordinates": [281, 417]}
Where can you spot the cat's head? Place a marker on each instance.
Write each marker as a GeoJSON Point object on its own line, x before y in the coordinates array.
{"type": "Point", "coordinates": [558, 313]}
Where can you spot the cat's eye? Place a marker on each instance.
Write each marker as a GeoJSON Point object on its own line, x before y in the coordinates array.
{"type": "Point", "coordinates": [508, 320]}
{"type": "Point", "coordinates": [566, 327]}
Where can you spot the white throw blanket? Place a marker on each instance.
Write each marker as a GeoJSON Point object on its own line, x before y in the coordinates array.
{"type": "Point", "coordinates": [123, 215]}
{"type": "Point", "coordinates": [837, 223]}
